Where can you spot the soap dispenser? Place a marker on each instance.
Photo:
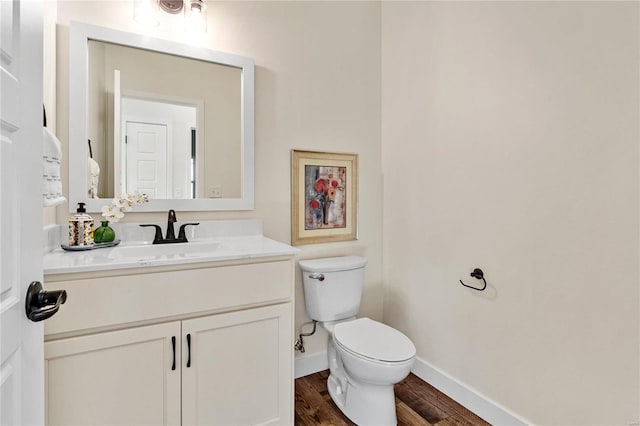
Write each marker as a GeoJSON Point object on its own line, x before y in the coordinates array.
{"type": "Point", "coordinates": [80, 228]}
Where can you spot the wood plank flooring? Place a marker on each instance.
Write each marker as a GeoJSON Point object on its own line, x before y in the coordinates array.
{"type": "Point", "coordinates": [417, 404]}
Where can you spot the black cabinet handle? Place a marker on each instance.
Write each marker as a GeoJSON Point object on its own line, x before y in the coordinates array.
{"type": "Point", "coordinates": [188, 350]}
{"type": "Point", "coordinates": [173, 344]}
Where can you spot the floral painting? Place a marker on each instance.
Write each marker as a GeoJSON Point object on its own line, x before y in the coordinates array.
{"type": "Point", "coordinates": [324, 197]}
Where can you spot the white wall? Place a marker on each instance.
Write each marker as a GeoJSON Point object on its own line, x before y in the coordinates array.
{"type": "Point", "coordinates": [510, 142]}
{"type": "Point", "coordinates": [317, 88]}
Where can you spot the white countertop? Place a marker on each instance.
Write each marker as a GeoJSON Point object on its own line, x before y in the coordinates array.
{"type": "Point", "coordinates": [209, 242]}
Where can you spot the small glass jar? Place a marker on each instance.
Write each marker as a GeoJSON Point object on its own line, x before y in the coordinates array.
{"type": "Point", "coordinates": [104, 233]}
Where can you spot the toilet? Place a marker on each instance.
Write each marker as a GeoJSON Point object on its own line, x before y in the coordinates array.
{"type": "Point", "coordinates": [366, 357]}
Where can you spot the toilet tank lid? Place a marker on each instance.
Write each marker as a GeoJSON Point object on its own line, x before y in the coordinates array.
{"type": "Point", "coordinates": [333, 264]}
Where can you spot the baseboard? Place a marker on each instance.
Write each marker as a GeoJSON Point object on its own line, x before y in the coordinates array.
{"type": "Point", "coordinates": [309, 364]}
{"type": "Point", "coordinates": [465, 396]}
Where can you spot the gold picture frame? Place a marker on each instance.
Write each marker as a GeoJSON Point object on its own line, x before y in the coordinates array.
{"type": "Point", "coordinates": [324, 190]}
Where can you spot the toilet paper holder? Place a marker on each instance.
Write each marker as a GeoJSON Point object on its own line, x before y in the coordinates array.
{"type": "Point", "coordinates": [478, 274]}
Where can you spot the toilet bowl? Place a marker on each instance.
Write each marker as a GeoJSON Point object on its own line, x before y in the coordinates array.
{"type": "Point", "coordinates": [366, 357]}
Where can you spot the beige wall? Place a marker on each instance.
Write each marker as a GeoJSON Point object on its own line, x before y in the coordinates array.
{"type": "Point", "coordinates": [510, 142]}
{"type": "Point", "coordinates": [317, 88]}
{"type": "Point", "coordinates": [97, 106]}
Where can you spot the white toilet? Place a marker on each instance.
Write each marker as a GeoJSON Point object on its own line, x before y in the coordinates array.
{"type": "Point", "coordinates": [366, 358]}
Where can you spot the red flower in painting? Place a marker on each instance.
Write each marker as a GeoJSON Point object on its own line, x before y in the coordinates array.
{"type": "Point", "coordinates": [334, 183]}
{"type": "Point", "coordinates": [320, 185]}
{"type": "Point", "coordinates": [314, 204]}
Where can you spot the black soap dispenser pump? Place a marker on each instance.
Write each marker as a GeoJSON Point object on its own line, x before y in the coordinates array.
{"type": "Point", "coordinates": [80, 228]}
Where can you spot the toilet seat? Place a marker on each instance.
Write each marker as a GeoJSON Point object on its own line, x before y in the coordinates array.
{"type": "Point", "coordinates": [375, 341]}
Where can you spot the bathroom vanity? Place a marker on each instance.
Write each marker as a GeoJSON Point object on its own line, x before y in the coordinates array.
{"type": "Point", "coordinates": [195, 333]}
{"type": "Point", "coordinates": [187, 333]}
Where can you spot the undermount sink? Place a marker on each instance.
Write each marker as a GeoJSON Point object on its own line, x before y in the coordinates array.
{"type": "Point", "coordinates": [192, 249]}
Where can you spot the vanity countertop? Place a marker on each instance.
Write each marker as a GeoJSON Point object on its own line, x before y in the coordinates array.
{"type": "Point", "coordinates": [212, 242]}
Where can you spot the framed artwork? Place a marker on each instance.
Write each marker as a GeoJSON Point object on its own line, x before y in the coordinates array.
{"type": "Point", "coordinates": [325, 197]}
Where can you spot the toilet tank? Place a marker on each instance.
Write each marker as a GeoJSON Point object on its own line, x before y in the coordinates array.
{"type": "Point", "coordinates": [333, 287]}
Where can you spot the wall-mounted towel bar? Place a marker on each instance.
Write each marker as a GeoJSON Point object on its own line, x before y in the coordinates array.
{"type": "Point", "coordinates": [478, 274]}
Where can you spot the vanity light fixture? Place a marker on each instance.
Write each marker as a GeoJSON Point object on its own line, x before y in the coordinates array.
{"type": "Point", "coordinates": [146, 13]}
{"type": "Point", "coordinates": [171, 6]}
{"type": "Point", "coordinates": [196, 16]}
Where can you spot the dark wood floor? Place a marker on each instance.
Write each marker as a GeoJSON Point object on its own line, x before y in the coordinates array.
{"type": "Point", "coordinates": [417, 403]}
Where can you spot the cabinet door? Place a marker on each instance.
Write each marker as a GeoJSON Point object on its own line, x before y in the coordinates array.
{"type": "Point", "coordinates": [114, 378]}
{"type": "Point", "coordinates": [240, 370]}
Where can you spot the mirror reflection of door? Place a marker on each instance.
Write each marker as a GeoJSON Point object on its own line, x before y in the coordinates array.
{"type": "Point", "coordinates": [146, 158]}
{"type": "Point", "coordinates": [160, 149]}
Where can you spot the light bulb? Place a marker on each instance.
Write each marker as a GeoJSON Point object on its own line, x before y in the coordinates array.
{"type": "Point", "coordinates": [196, 17]}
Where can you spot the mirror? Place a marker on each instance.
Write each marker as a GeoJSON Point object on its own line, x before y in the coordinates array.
{"type": "Point", "coordinates": [170, 120]}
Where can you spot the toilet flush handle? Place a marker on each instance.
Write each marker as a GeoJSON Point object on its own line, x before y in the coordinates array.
{"type": "Point", "coordinates": [319, 277]}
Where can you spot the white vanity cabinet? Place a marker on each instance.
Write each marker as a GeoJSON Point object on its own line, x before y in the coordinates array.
{"type": "Point", "coordinates": [239, 368]}
{"type": "Point", "coordinates": [118, 377]}
{"type": "Point", "coordinates": [110, 357]}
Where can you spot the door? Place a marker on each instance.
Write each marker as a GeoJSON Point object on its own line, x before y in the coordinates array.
{"type": "Point", "coordinates": [236, 368]}
{"type": "Point", "coordinates": [146, 152]}
{"type": "Point", "coordinates": [125, 377]}
{"type": "Point", "coordinates": [21, 341]}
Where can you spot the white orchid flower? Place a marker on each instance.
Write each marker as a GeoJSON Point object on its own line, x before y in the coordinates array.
{"type": "Point", "coordinates": [121, 204]}
{"type": "Point", "coordinates": [112, 213]}
{"type": "Point", "coordinates": [124, 202]}
{"type": "Point", "coordinates": [139, 198]}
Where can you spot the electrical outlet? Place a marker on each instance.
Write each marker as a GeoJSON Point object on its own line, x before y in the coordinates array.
{"type": "Point", "coordinates": [215, 192]}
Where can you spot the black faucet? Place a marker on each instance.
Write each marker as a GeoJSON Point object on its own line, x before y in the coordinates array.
{"type": "Point", "coordinates": [171, 234]}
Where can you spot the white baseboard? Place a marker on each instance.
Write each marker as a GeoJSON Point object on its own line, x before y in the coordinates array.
{"type": "Point", "coordinates": [465, 396]}
{"type": "Point", "coordinates": [459, 392]}
{"type": "Point", "coordinates": [309, 364]}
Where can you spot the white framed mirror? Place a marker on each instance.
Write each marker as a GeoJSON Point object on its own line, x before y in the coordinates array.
{"type": "Point", "coordinates": [171, 120]}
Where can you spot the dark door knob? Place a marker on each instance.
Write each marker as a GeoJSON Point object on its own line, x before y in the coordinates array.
{"type": "Point", "coordinates": [42, 304]}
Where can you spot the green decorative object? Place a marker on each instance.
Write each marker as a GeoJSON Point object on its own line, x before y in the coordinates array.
{"type": "Point", "coordinates": [104, 233]}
